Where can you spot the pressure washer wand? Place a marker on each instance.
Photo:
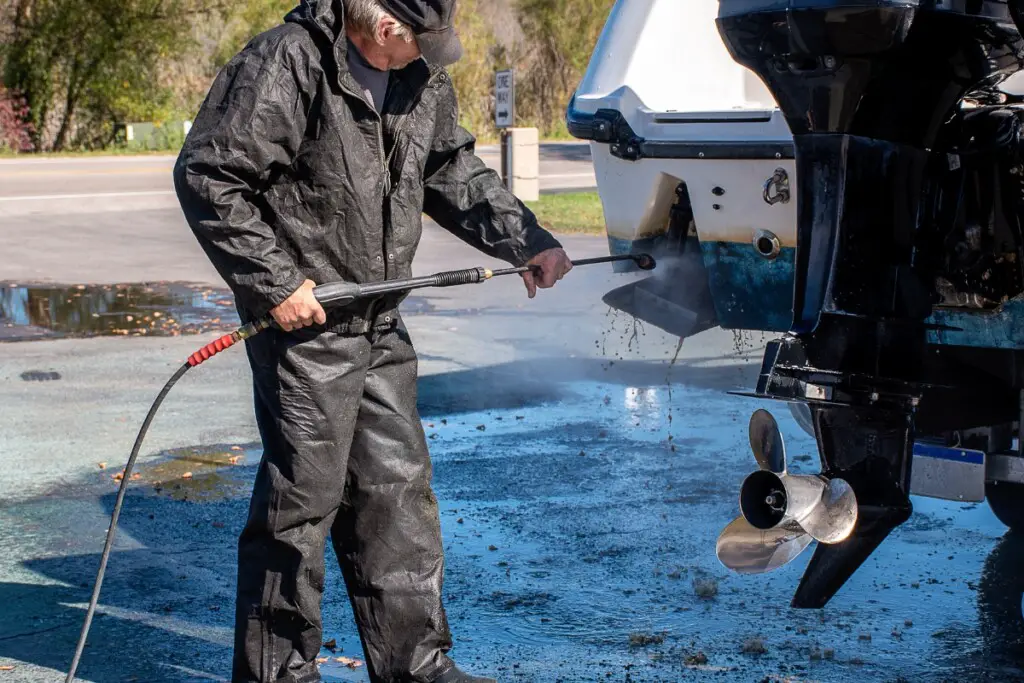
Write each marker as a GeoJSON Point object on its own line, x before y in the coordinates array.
{"type": "Point", "coordinates": [332, 295]}
{"type": "Point", "coordinates": [342, 293]}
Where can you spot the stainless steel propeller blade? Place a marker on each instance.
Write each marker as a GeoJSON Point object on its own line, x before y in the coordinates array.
{"type": "Point", "coordinates": [833, 519]}
{"type": "Point", "coordinates": [766, 442]}
{"type": "Point", "coordinates": [747, 550]}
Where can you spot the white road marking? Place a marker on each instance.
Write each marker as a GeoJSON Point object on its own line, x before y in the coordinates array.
{"type": "Point", "coordinates": [97, 195]}
{"type": "Point", "coordinates": [566, 176]}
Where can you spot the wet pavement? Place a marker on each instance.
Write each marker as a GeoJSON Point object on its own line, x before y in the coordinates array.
{"type": "Point", "coordinates": [583, 480]}
{"type": "Point", "coordinates": [579, 523]}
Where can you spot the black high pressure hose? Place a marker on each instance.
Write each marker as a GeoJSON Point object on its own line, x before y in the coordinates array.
{"type": "Point", "coordinates": [331, 294]}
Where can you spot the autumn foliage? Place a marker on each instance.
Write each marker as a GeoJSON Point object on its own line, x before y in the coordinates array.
{"type": "Point", "coordinates": [15, 129]}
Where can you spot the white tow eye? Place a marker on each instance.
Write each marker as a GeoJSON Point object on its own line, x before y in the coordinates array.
{"type": "Point", "coordinates": [767, 244]}
{"type": "Point", "coordinates": [776, 188]}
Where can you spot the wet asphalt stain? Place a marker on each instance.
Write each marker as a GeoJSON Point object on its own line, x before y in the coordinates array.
{"type": "Point", "coordinates": [579, 547]}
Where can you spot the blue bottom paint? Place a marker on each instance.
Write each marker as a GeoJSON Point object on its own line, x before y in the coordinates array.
{"type": "Point", "coordinates": [927, 450]}
{"type": "Point", "coordinates": [754, 293]}
{"type": "Point", "coordinates": [750, 291]}
{"type": "Point", "coordinates": [1001, 329]}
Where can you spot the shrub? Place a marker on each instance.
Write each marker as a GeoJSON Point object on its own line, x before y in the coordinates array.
{"type": "Point", "coordinates": [15, 129]}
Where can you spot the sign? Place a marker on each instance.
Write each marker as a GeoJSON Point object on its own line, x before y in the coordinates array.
{"type": "Point", "coordinates": [504, 99]}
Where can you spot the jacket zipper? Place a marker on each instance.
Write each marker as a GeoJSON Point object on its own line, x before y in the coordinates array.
{"type": "Point", "coordinates": [401, 126]}
{"type": "Point", "coordinates": [385, 159]}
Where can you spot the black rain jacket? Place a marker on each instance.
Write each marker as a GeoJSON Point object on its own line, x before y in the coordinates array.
{"type": "Point", "coordinates": [289, 173]}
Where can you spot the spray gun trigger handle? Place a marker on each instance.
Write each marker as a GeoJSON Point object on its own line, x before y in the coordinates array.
{"type": "Point", "coordinates": [337, 293]}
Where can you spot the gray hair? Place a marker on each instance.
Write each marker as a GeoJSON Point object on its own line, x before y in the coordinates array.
{"type": "Point", "coordinates": [365, 15]}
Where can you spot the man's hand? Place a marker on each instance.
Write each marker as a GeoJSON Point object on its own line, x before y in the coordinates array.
{"type": "Point", "coordinates": [553, 263]}
{"type": "Point", "coordinates": [301, 309]}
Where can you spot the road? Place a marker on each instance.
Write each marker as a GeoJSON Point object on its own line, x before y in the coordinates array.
{"type": "Point", "coordinates": [584, 463]}
{"type": "Point", "coordinates": [32, 185]}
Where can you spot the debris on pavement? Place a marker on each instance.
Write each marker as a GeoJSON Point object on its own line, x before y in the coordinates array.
{"type": "Point", "coordinates": [645, 639]}
{"type": "Point", "coordinates": [699, 659]}
{"type": "Point", "coordinates": [753, 646]}
{"type": "Point", "coordinates": [705, 588]}
{"type": "Point", "coordinates": [349, 662]}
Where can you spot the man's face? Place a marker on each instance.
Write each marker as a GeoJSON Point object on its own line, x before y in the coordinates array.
{"type": "Point", "coordinates": [394, 48]}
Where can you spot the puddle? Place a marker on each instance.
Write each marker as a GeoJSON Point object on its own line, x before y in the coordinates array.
{"type": "Point", "coordinates": [157, 309]}
{"type": "Point", "coordinates": [161, 309]}
{"type": "Point", "coordinates": [200, 474]}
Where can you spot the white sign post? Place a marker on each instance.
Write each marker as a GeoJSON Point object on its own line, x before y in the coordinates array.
{"type": "Point", "coordinates": [504, 117]}
{"type": "Point", "coordinates": [504, 99]}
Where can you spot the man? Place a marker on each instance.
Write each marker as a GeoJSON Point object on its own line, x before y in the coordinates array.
{"type": "Point", "coordinates": [312, 159]}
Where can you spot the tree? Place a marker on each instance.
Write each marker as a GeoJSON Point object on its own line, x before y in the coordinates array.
{"type": "Point", "coordinates": [473, 75]}
{"type": "Point", "coordinates": [95, 63]}
{"type": "Point", "coordinates": [557, 51]}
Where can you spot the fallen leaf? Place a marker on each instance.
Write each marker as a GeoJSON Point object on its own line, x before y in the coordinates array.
{"type": "Point", "coordinates": [236, 448]}
{"type": "Point", "coordinates": [101, 465]}
{"type": "Point", "coordinates": [6, 668]}
{"type": "Point", "coordinates": [322, 660]}
{"type": "Point", "coordinates": [117, 477]}
{"type": "Point", "coordinates": [331, 644]}
{"type": "Point", "coordinates": [136, 476]}
{"type": "Point", "coordinates": [187, 475]}
{"type": "Point", "coordinates": [235, 459]}
{"type": "Point", "coordinates": [349, 662]}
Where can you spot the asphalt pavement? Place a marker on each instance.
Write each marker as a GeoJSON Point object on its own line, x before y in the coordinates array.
{"type": "Point", "coordinates": [585, 464]}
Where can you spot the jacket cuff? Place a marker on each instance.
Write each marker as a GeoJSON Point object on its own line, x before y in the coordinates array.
{"type": "Point", "coordinates": [538, 240]}
{"type": "Point", "coordinates": [261, 303]}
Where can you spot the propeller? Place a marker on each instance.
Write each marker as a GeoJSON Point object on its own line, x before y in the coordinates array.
{"type": "Point", "coordinates": [782, 513]}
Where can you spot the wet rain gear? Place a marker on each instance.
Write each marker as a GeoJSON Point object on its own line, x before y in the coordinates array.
{"type": "Point", "coordinates": [288, 174]}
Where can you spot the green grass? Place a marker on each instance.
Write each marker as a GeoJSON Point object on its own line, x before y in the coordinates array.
{"type": "Point", "coordinates": [579, 212]}
{"type": "Point", "coordinates": [72, 154]}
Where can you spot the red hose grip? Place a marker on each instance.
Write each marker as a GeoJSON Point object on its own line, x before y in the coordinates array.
{"type": "Point", "coordinates": [212, 349]}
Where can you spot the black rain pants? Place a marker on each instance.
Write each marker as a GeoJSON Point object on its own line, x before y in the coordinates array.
{"type": "Point", "coordinates": [344, 453]}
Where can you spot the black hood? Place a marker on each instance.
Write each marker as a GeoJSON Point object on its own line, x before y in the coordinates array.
{"type": "Point", "coordinates": [325, 20]}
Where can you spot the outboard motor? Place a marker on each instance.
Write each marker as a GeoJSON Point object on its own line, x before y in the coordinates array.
{"type": "Point", "coordinates": [873, 91]}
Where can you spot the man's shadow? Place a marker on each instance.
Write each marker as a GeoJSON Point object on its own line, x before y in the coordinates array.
{"type": "Point", "coordinates": [149, 626]}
